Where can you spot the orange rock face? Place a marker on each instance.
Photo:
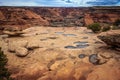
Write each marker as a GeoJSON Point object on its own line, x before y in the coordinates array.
{"type": "Point", "coordinates": [19, 18]}
{"type": "Point", "coordinates": [24, 17]}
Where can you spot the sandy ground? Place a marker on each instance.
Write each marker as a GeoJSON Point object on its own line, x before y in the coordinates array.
{"type": "Point", "coordinates": [54, 62]}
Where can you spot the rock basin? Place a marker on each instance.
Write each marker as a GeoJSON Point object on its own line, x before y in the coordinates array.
{"type": "Point", "coordinates": [78, 45]}
{"type": "Point", "coordinates": [59, 32]}
{"type": "Point", "coordinates": [69, 35]}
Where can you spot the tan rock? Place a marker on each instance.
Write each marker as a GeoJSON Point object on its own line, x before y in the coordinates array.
{"type": "Point", "coordinates": [82, 70]}
{"type": "Point", "coordinates": [12, 45]}
{"type": "Point", "coordinates": [20, 51]}
{"type": "Point", "coordinates": [31, 72]}
{"type": "Point", "coordinates": [106, 55]}
{"type": "Point", "coordinates": [104, 72]}
{"type": "Point", "coordinates": [33, 44]}
{"type": "Point", "coordinates": [15, 34]}
{"type": "Point", "coordinates": [111, 38]}
{"type": "Point", "coordinates": [66, 71]}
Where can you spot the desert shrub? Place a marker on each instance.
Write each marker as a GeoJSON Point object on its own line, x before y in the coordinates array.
{"type": "Point", "coordinates": [4, 74]}
{"type": "Point", "coordinates": [95, 27]}
{"type": "Point", "coordinates": [117, 22]}
{"type": "Point", "coordinates": [106, 28]}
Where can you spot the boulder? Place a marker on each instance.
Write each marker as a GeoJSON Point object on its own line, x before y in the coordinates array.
{"type": "Point", "coordinates": [13, 33]}
{"type": "Point", "coordinates": [13, 44]}
{"type": "Point", "coordinates": [18, 47]}
{"type": "Point", "coordinates": [111, 38]}
{"type": "Point", "coordinates": [21, 52]}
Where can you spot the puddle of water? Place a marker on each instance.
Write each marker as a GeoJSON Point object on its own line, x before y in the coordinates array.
{"type": "Point", "coordinates": [93, 59]}
{"type": "Point", "coordinates": [81, 43]}
{"type": "Point", "coordinates": [82, 56]}
{"type": "Point", "coordinates": [82, 46]}
{"type": "Point", "coordinates": [89, 32]}
{"type": "Point", "coordinates": [59, 32]}
{"type": "Point", "coordinates": [70, 47]}
{"type": "Point", "coordinates": [71, 35]}
{"type": "Point", "coordinates": [78, 45]}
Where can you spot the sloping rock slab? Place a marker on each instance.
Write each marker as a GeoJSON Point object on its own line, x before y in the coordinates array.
{"type": "Point", "coordinates": [111, 38]}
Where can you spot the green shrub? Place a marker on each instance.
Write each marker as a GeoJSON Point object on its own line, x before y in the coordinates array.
{"type": "Point", "coordinates": [4, 74]}
{"type": "Point", "coordinates": [95, 27]}
{"type": "Point", "coordinates": [106, 28]}
{"type": "Point", "coordinates": [117, 22]}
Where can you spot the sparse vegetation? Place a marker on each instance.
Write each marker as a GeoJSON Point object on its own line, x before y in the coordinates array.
{"type": "Point", "coordinates": [117, 22]}
{"type": "Point", "coordinates": [4, 74]}
{"type": "Point", "coordinates": [95, 27]}
{"type": "Point", "coordinates": [106, 28]}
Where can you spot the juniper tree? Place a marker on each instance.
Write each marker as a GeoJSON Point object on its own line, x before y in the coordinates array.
{"type": "Point", "coordinates": [4, 74]}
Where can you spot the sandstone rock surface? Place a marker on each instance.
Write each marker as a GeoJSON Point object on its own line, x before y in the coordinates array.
{"type": "Point", "coordinates": [111, 38]}
{"type": "Point", "coordinates": [54, 62]}
{"type": "Point", "coordinates": [20, 51]}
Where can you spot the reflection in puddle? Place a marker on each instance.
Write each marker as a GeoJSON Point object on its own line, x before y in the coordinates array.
{"type": "Point", "coordinates": [94, 59]}
{"type": "Point", "coordinates": [78, 45]}
{"type": "Point", "coordinates": [71, 35]}
{"type": "Point", "coordinates": [82, 56]}
{"type": "Point", "coordinates": [81, 44]}
{"type": "Point", "coordinates": [59, 32]}
{"type": "Point", "coordinates": [70, 47]}
{"type": "Point", "coordinates": [89, 32]}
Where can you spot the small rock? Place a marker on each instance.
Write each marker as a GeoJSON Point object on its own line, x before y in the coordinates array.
{"type": "Point", "coordinates": [12, 45]}
{"type": "Point", "coordinates": [21, 52]}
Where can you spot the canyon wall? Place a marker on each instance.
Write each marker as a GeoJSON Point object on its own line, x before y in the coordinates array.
{"type": "Point", "coordinates": [23, 17]}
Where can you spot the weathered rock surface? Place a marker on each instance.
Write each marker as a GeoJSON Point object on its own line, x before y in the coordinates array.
{"type": "Point", "coordinates": [54, 62]}
{"type": "Point", "coordinates": [18, 47]}
{"type": "Point", "coordinates": [104, 72]}
{"type": "Point", "coordinates": [111, 38]}
{"type": "Point", "coordinates": [20, 51]}
{"type": "Point", "coordinates": [13, 33]}
{"type": "Point", "coordinates": [33, 44]}
{"type": "Point", "coordinates": [12, 45]}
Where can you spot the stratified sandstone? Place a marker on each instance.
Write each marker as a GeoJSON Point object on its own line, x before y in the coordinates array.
{"type": "Point", "coordinates": [19, 18]}
{"type": "Point", "coordinates": [111, 38]}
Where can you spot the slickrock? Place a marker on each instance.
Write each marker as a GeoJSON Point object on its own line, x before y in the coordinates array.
{"type": "Point", "coordinates": [21, 52]}
{"type": "Point", "coordinates": [111, 38]}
